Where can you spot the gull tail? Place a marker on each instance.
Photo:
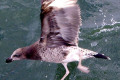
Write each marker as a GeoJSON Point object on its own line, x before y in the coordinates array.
{"type": "Point", "coordinates": [102, 56]}
{"type": "Point", "coordinates": [89, 53]}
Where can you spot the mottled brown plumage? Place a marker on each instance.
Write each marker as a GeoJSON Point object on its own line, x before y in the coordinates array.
{"type": "Point", "coordinates": [60, 26]}
{"type": "Point", "coordinates": [60, 22]}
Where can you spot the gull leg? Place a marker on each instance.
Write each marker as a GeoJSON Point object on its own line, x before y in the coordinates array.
{"type": "Point", "coordinates": [67, 71]}
{"type": "Point", "coordinates": [82, 68]}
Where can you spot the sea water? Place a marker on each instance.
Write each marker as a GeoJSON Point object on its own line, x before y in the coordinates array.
{"type": "Point", "coordinates": [20, 26]}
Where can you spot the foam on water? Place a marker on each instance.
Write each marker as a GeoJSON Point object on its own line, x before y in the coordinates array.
{"type": "Point", "coordinates": [93, 44]}
{"type": "Point", "coordinates": [107, 30]}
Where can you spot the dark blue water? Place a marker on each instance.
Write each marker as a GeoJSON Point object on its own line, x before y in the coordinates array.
{"type": "Point", "coordinates": [20, 26]}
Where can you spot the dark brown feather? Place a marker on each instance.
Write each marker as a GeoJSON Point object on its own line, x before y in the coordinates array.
{"type": "Point", "coordinates": [32, 52]}
{"type": "Point", "coordinates": [60, 26]}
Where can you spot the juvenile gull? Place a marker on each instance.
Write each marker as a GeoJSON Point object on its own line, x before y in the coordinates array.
{"type": "Point", "coordinates": [60, 22]}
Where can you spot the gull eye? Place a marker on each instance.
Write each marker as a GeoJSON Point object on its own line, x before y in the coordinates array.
{"type": "Point", "coordinates": [17, 55]}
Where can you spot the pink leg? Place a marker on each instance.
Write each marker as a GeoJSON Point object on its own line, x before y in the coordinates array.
{"type": "Point", "coordinates": [82, 68]}
{"type": "Point", "coordinates": [67, 71]}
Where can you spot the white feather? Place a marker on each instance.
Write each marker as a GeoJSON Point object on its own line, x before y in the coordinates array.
{"type": "Point", "coordinates": [63, 3]}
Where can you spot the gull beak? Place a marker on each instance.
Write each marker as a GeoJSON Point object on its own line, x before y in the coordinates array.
{"type": "Point", "coordinates": [9, 60]}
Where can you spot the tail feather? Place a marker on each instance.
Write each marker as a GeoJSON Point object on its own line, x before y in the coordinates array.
{"type": "Point", "coordinates": [88, 54]}
{"type": "Point", "coordinates": [101, 56]}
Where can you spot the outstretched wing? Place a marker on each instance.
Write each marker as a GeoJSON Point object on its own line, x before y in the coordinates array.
{"type": "Point", "coordinates": [60, 21]}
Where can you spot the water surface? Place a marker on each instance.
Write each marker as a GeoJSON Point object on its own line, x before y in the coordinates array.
{"type": "Point", "coordinates": [20, 26]}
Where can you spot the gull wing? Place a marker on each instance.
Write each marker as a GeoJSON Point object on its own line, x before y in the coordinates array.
{"type": "Point", "coordinates": [60, 22]}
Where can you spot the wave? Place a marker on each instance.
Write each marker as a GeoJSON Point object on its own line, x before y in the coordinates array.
{"type": "Point", "coordinates": [98, 33]}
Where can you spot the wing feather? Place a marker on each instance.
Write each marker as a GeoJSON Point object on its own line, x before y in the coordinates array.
{"type": "Point", "coordinates": [61, 21]}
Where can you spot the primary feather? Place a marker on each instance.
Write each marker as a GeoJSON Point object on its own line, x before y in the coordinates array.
{"type": "Point", "coordinates": [60, 22]}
